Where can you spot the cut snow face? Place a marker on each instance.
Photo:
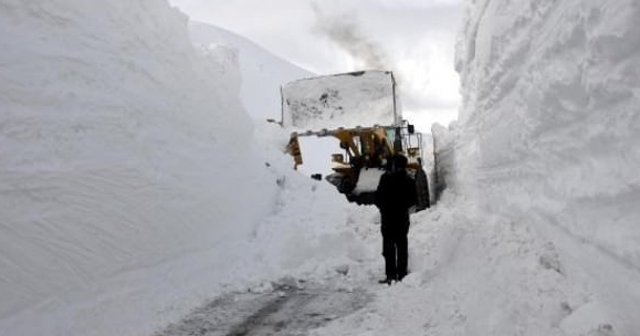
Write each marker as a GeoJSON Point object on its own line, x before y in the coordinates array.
{"type": "Point", "coordinates": [127, 160]}
{"type": "Point", "coordinates": [550, 133]}
{"type": "Point", "coordinates": [344, 100]}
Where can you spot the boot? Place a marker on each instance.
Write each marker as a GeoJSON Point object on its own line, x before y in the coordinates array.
{"type": "Point", "coordinates": [387, 280]}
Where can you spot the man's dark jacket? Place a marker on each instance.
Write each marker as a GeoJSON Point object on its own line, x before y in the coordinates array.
{"type": "Point", "coordinates": [396, 193]}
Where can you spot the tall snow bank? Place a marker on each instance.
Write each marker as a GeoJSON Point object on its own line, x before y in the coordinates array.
{"type": "Point", "coordinates": [551, 130]}
{"type": "Point", "coordinates": [122, 149]}
{"type": "Point", "coordinates": [263, 73]}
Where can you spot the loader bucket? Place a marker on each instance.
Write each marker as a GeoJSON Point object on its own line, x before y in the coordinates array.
{"type": "Point", "coordinates": [344, 100]}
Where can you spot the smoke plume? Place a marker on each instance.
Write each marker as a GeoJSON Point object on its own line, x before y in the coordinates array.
{"type": "Point", "coordinates": [345, 32]}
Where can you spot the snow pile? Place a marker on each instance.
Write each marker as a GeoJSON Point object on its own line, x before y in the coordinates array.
{"type": "Point", "coordinates": [345, 100]}
{"type": "Point", "coordinates": [262, 72]}
{"type": "Point", "coordinates": [550, 133]}
{"type": "Point", "coordinates": [123, 150]}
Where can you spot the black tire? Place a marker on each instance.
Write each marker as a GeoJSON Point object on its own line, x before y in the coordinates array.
{"type": "Point", "coordinates": [422, 191]}
{"type": "Point", "coordinates": [365, 198]}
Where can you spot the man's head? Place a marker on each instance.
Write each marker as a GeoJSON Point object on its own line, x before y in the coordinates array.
{"type": "Point", "coordinates": [397, 163]}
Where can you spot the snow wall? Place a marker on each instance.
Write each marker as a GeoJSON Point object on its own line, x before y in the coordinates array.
{"type": "Point", "coordinates": [443, 149]}
{"type": "Point", "coordinates": [550, 129]}
{"type": "Point", "coordinates": [122, 149]}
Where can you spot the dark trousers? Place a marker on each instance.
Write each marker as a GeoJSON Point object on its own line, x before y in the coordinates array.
{"type": "Point", "coordinates": [395, 250]}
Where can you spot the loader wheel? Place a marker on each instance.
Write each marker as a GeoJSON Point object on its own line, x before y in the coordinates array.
{"type": "Point", "coordinates": [365, 198]}
{"type": "Point", "coordinates": [422, 190]}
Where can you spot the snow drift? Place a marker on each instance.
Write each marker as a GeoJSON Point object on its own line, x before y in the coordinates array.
{"type": "Point", "coordinates": [550, 132]}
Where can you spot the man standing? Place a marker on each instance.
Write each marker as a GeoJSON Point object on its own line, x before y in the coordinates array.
{"type": "Point", "coordinates": [396, 193]}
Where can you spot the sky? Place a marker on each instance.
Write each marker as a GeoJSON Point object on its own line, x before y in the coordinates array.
{"type": "Point", "coordinates": [413, 38]}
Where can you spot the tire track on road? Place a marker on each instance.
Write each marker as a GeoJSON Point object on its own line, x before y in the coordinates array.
{"type": "Point", "coordinates": [282, 311]}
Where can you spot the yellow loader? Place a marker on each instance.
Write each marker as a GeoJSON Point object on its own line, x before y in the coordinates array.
{"type": "Point", "coordinates": [342, 100]}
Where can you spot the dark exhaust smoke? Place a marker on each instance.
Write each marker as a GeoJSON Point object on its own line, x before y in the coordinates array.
{"type": "Point", "coordinates": [345, 32]}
